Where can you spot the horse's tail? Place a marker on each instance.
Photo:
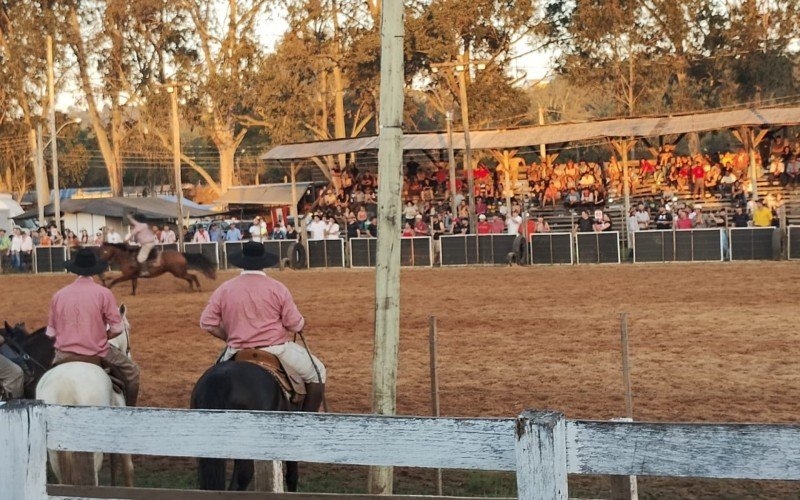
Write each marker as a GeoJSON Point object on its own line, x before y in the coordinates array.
{"type": "Point", "coordinates": [211, 392]}
{"type": "Point", "coordinates": [201, 263]}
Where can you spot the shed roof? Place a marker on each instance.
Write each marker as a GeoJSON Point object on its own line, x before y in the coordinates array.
{"type": "Point", "coordinates": [554, 134]}
{"type": "Point", "coordinates": [263, 194]}
{"type": "Point", "coordinates": [152, 208]}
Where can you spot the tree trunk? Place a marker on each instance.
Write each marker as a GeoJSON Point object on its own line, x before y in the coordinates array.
{"type": "Point", "coordinates": [226, 164]}
{"type": "Point", "coordinates": [116, 145]}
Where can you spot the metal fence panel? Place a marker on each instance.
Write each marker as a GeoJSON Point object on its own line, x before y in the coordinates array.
{"type": "Point", "coordinates": [707, 244]}
{"type": "Point", "coordinates": [794, 242]}
{"type": "Point", "coordinates": [551, 248]}
{"type": "Point", "coordinates": [363, 251]}
{"type": "Point", "coordinates": [326, 253]}
{"type": "Point", "coordinates": [751, 243]}
{"type": "Point", "coordinates": [683, 245]}
{"type": "Point", "coordinates": [459, 250]}
{"type": "Point", "coordinates": [49, 259]}
{"type": "Point", "coordinates": [209, 250]}
{"type": "Point", "coordinates": [598, 248]}
{"type": "Point", "coordinates": [653, 246]}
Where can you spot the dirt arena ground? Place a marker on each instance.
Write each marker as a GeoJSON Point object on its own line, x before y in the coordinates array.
{"type": "Point", "coordinates": [709, 342]}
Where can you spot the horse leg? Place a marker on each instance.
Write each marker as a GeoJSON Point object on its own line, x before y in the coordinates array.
{"type": "Point", "coordinates": [127, 470]}
{"type": "Point", "coordinates": [112, 467]}
{"type": "Point", "coordinates": [134, 283]}
{"type": "Point", "coordinates": [211, 473]}
{"type": "Point", "coordinates": [242, 475]}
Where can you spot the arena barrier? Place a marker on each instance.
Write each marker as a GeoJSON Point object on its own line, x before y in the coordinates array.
{"type": "Point", "coordinates": [683, 245]}
{"type": "Point", "coordinates": [598, 248]}
{"type": "Point", "coordinates": [753, 243]}
{"type": "Point", "coordinates": [552, 248]}
{"type": "Point", "coordinates": [542, 447]}
{"type": "Point", "coordinates": [210, 250]}
{"type": "Point", "coordinates": [494, 248]}
{"type": "Point", "coordinates": [414, 252]}
{"type": "Point", "coordinates": [48, 259]}
{"type": "Point", "coordinates": [281, 248]}
{"type": "Point", "coordinates": [793, 242]}
{"type": "Point", "coordinates": [458, 250]}
{"type": "Point", "coordinates": [326, 253]}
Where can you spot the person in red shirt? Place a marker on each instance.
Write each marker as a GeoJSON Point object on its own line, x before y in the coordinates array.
{"type": "Point", "coordinates": [684, 222]}
{"type": "Point", "coordinates": [420, 228]}
{"type": "Point", "coordinates": [484, 227]}
{"type": "Point", "coordinates": [79, 315]}
{"type": "Point", "coordinates": [698, 180]}
{"type": "Point", "coordinates": [408, 231]}
{"type": "Point", "coordinates": [255, 311]}
{"type": "Point", "coordinates": [498, 226]}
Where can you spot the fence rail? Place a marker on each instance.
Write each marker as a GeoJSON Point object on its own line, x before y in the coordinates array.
{"type": "Point", "coordinates": [542, 447]}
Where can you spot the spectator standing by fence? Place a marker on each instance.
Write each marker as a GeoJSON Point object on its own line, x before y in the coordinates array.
{"type": "Point", "coordinates": [233, 233]}
{"type": "Point", "coordinates": [316, 228]}
{"type": "Point", "coordinates": [201, 235]}
{"type": "Point", "coordinates": [585, 224]}
{"type": "Point", "coordinates": [44, 239]}
{"type": "Point", "coordinates": [762, 215]}
{"type": "Point", "coordinates": [113, 236]}
{"type": "Point", "coordinates": [5, 247]}
{"type": "Point", "coordinates": [332, 229]}
{"type": "Point", "coordinates": [664, 218]}
{"type": "Point", "coordinates": [168, 236]}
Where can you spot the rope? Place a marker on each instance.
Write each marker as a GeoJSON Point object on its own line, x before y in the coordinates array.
{"type": "Point", "coordinates": [314, 364]}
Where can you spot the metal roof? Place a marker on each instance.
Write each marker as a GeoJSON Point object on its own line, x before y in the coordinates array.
{"type": "Point", "coordinates": [152, 208]}
{"type": "Point", "coordinates": [554, 134]}
{"type": "Point", "coordinates": [263, 194]}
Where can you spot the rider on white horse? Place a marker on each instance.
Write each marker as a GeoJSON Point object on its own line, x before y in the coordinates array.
{"type": "Point", "coordinates": [143, 235]}
{"type": "Point", "coordinates": [254, 311]}
{"type": "Point", "coordinates": [79, 315]}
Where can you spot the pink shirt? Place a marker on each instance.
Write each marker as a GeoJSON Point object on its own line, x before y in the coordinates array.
{"type": "Point", "coordinates": [79, 314]}
{"type": "Point", "coordinates": [142, 233]}
{"type": "Point", "coordinates": [254, 310]}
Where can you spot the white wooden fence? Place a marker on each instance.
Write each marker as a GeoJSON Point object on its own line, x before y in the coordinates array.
{"type": "Point", "coordinates": [542, 447]}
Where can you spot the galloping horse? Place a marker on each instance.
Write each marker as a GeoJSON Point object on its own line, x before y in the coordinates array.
{"type": "Point", "coordinates": [84, 384]}
{"type": "Point", "coordinates": [237, 385]}
{"type": "Point", "coordinates": [171, 261]}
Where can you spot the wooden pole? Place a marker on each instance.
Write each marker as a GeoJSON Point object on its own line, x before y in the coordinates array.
{"type": "Point", "coordinates": [434, 386]}
{"type": "Point", "coordinates": [293, 210]}
{"type": "Point", "coordinates": [507, 181]}
{"type": "Point", "coordinates": [462, 87]}
{"type": "Point", "coordinates": [751, 149]}
{"type": "Point", "coordinates": [44, 194]}
{"type": "Point", "coordinates": [42, 190]}
{"type": "Point", "coordinates": [542, 147]}
{"type": "Point", "coordinates": [176, 161]}
{"type": "Point", "coordinates": [269, 476]}
{"type": "Point", "coordinates": [451, 158]}
{"type": "Point", "coordinates": [541, 453]}
{"type": "Point", "coordinates": [51, 98]}
{"type": "Point", "coordinates": [387, 273]}
{"type": "Point", "coordinates": [626, 370]}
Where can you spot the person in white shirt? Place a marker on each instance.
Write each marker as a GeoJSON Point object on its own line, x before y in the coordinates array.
{"type": "Point", "coordinates": [514, 222]}
{"type": "Point", "coordinates": [168, 236]}
{"type": "Point", "coordinates": [642, 217]}
{"type": "Point", "coordinates": [332, 229]}
{"type": "Point", "coordinates": [25, 250]}
{"type": "Point", "coordinates": [113, 236]}
{"type": "Point", "coordinates": [16, 248]}
{"type": "Point", "coordinates": [201, 235]}
{"type": "Point", "coordinates": [317, 229]}
{"type": "Point", "coordinates": [255, 230]}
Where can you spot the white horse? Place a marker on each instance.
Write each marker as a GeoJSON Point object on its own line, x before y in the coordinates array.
{"type": "Point", "coordinates": [84, 384]}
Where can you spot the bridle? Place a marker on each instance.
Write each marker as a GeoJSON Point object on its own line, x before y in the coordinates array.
{"type": "Point", "coordinates": [23, 355]}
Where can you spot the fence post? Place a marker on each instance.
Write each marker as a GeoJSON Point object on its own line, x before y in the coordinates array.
{"type": "Point", "coordinates": [541, 451]}
{"type": "Point", "coordinates": [23, 461]}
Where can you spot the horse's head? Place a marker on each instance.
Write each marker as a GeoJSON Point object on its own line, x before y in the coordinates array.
{"type": "Point", "coordinates": [107, 252]}
{"type": "Point", "coordinates": [35, 349]}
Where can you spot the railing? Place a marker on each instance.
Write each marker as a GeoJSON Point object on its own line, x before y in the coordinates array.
{"type": "Point", "coordinates": [415, 251]}
{"type": "Point", "coordinates": [681, 245]}
{"type": "Point", "coordinates": [542, 447]}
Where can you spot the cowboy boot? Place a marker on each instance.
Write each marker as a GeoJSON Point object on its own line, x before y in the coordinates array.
{"type": "Point", "coordinates": [315, 394]}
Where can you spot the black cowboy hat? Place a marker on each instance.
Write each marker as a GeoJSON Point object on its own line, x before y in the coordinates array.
{"type": "Point", "coordinates": [139, 217]}
{"type": "Point", "coordinates": [253, 257]}
{"type": "Point", "coordinates": [85, 263]}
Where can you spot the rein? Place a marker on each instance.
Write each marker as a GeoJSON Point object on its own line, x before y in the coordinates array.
{"type": "Point", "coordinates": [314, 364]}
{"type": "Point", "coordinates": [13, 344]}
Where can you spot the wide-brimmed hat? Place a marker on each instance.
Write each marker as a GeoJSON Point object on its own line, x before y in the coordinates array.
{"type": "Point", "coordinates": [85, 263]}
{"type": "Point", "coordinates": [139, 217]}
{"type": "Point", "coordinates": [253, 257]}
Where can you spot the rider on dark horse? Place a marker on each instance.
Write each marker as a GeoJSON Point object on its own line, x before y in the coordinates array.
{"type": "Point", "coordinates": [143, 235]}
{"type": "Point", "coordinates": [254, 311]}
{"type": "Point", "coordinates": [84, 316]}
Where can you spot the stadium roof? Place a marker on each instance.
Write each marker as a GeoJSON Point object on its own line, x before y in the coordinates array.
{"type": "Point", "coordinates": [152, 208]}
{"type": "Point", "coordinates": [277, 195]}
{"type": "Point", "coordinates": [554, 134]}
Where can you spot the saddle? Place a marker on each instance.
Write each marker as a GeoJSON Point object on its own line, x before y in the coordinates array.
{"type": "Point", "coordinates": [290, 381]}
{"type": "Point", "coordinates": [117, 383]}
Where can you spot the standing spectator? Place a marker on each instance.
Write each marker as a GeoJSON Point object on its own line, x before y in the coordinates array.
{"type": "Point", "coordinates": [664, 218]}
{"type": "Point", "coordinates": [762, 216]}
{"type": "Point", "coordinates": [498, 226]}
{"type": "Point", "coordinates": [233, 233]}
{"type": "Point", "coordinates": [585, 224]}
{"type": "Point", "coordinates": [372, 229]}
{"type": "Point", "coordinates": [332, 229]}
{"type": "Point", "coordinates": [279, 231]}
{"type": "Point", "coordinates": [542, 226]}
{"type": "Point", "coordinates": [642, 217]}
{"type": "Point", "coordinates": [84, 239]}
{"type": "Point", "coordinates": [201, 235]}
{"type": "Point", "coordinates": [684, 222]}
{"type": "Point", "coordinates": [698, 179]}
{"type": "Point", "coordinates": [255, 230]}
{"type": "Point", "coordinates": [420, 227]}
{"type": "Point", "coordinates": [484, 227]}
{"type": "Point", "coordinates": [168, 236]}
{"type": "Point", "coordinates": [602, 223]}
{"type": "Point", "coordinates": [213, 232]}
{"type": "Point", "coordinates": [26, 251]}
{"type": "Point", "coordinates": [16, 248]}
{"type": "Point", "coordinates": [514, 222]}
{"type": "Point", "coordinates": [291, 234]}
{"type": "Point", "coordinates": [316, 228]}
{"type": "Point", "coordinates": [98, 239]}
{"type": "Point", "coordinates": [55, 236]}
{"type": "Point", "coordinates": [70, 239]}
{"type": "Point", "coordinates": [410, 213]}
{"type": "Point", "coordinates": [5, 246]}
{"type": "Point", "coordinates": [461, 226]}
{"type": "Point", "coordinates": [740, 219]}
{"type": "Point", "coordinates": [353, 229]}
{"type": "Point", "coordinates": [113, 236]}
{"type": "Point", "coordinates": [408, 231]}
{"type": "Point", "coordinates": [44, 238]}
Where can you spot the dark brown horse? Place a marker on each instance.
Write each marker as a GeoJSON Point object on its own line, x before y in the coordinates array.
{"type": "Point", "coordinates": [170, 261]}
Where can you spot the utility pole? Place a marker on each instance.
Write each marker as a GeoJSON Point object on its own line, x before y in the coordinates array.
{"type": "Point", "coordinates": [387, 274]}
{"type": "Point", "coordinates": [452, 162]}
{"type": "Point", "coordinates": [42, 190]}
{"type": "Point", "coordinates": [51, 96]}
{"type": "Point", "coordinates": [172, 89]}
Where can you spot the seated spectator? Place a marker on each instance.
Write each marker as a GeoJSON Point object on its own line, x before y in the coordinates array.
{"type": "Point", "coordinates": [775, 170]}
{"type": "Point", "coordinates": [792, 171]}
{"type": "Point", "coordinates": [408, 231]}
{"type": "Point", "coordinates": [602, 223]}
{"type": "Point", "coordinates": [572, 199]}
{"type": "Point", "coordinates": [372, 228]}
{"type": "Point", "coordinates": [585, 224]}
{"type": "Point", "coordinates": [410, 213]}
{"type": "Point", "coordinates": [542, 225]}
{"type": "Point", "coordinates": [587, 197]}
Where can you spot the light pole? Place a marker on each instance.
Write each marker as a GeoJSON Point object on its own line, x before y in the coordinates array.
{"type": "Point", "coordinates": [172, 90]}
{"type": "Point", "coordinates": [52, 142]}
{"type": "Point", "coordinates": [460, 69]}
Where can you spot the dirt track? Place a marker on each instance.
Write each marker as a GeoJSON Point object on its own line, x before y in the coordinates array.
{"type": "Point", "coordinates": [711, 342]}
